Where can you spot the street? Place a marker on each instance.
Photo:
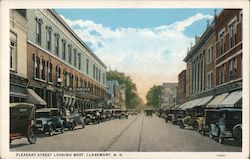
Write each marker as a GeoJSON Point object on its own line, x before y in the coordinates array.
{"type": "Point", "coordinates": [137, 134]}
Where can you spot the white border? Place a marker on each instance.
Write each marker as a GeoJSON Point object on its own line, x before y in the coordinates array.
{"type": "Point", "coordinates": [4, 80]}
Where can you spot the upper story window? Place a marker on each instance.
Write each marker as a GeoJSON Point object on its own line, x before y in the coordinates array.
{"type": "Point", "coordinates": [93, 71]}
{"type": "Point", "coordinates": [57, 37]}
{"type": "Point", "coordinates": [42, 69]}
{"type": "Point", "coordinates": [103, 78]}
{"type": "Point", "coordinates": [96, 73]}
{"type": "Point", "coordinates": [210, 55]}
{"type": "Point", "coordinates": [48, 37]}
{"type": "Point", "coordinates": [87, 66]}
{"type": "Point", "coordinates": [67, 80]}
{"type": "Point", "coordinates": [13, 51]}
{"type": "Point", "coordinates": [75, 53]}
{"type": "Point", "coordinates": [64, 49]}
{"type": "Point", "coordinates": [210, 80]}
{"type": "Point", "coordinates": [233, 69]}
{"type": "Point", "coordinates": [222, 71]}
{"type": "Point", "coordinates": [77, 81]}
{"type": "Point", "coordinates": [39, 23]}
{"type": "Point", "coordinates": [50, 68]}
{"type": "Point", "coordinates": [58, 74]}
{"type": "Point", "coordinates": [70, 53]}
{"type": "Point", "coordinates": [37, 67]}
{"type": "Point", "coordinates": [222, 40]}
{"type": "Point", "coordinates": [79, 61]}
{"type": "Point", "coordinates": [99, 76]}
{"type": "Point", "coordinates": [232, 34]}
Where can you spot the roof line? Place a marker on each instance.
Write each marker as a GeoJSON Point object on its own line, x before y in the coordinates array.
{"type": "Point", "coordinates": [54, 13]}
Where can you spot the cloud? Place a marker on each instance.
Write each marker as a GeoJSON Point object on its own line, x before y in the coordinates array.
{"type": "Point", "coordinates": [152, 55]}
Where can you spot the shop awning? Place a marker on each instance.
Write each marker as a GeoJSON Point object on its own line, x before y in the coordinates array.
{"type": "Point", "coordinates": [205, 100]}
{"type": "Point", "coordinates": [217, 100]}
{"type": "Point", "coordinates": [34, 98]}
{"type": "Point", "coordinates": [232, 99]}
{"type": "Point", "coordinates": [193, 103]}
{"type": "Point", "coordinates": [183, 106]}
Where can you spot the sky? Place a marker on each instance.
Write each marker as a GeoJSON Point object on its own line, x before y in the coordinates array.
{"type": "Point", "coordinates": [149, 45]}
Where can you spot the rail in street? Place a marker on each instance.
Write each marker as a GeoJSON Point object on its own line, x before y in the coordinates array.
{"type": "Point", "coordinates": [135, 134]}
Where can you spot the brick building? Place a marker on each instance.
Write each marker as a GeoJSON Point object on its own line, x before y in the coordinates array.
{"type": "Point", "coordinates": [214, 63]}
{"type": "Point", "coordinates": [61, 69]}
{"type": "Point", "coordinates": [228, 32]}
{"type": "Point", "coordinates": [181, 88]}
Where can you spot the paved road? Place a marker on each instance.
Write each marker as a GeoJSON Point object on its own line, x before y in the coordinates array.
{"type": "Point", "coordinates": [138, 133]}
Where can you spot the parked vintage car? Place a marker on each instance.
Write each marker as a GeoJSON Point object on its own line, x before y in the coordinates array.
{"type": "Point", "coordinates": [48, 120]}
{"type": "Point", "coordinates": [210, 116]}
{"type": "Point", "coordinates": [22, 117]}
{"type": "Point", "coordinates": [132, 112]}
{"type": "Point", "coordinates": [72, 120]}
{"type": "Point", "coordinates": [226, 124]}
{"type": "Point", "coordinates": [123, 114]}
{"type": "Point", "coordinates": [108, 114]}
{"type": "Point", "coordinates": [92, 116]}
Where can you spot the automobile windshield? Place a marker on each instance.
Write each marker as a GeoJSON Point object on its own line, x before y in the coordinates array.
{"type": "Point", "coordinates": [20, 113]}
{"type": "Point", "coordinates": [43, 115]}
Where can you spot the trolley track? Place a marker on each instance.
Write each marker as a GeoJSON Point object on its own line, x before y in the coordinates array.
{"type": "Point", "coordinates": [117, 137]}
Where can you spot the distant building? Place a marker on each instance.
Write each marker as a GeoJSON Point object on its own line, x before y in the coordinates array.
{"type": "Point", "coordinates": [168, 95]}
{"type": "Point", "coordinates": [181, 88]}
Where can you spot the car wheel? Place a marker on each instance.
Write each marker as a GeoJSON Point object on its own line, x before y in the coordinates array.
{"type": "Point", "coordinates": [51, 130]}
{"type": "Point", "coordinates": [203, 132]}
{"type": "Point", "coordinates": [195, 126]}
{"type": "Point", "coordinates": [31, 136]}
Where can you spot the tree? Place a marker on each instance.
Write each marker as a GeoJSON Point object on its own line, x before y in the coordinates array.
{"type": "Point", "coordinates": [153, 96]}
{"type": "Point", "coordinates": [132, 98]}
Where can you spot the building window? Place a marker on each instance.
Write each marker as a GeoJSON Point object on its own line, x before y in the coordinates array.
{"type": "Point", "coordinates": [50, 72]}
{"type": "Point", "coordinates": [81, 82]}
{"type": "Point", "coordinates": [232, 34]}
{"type": "Point", "coordinates": [76, 83]}
{"type": "Point", "coordinates": [72, 81]}
{"type": "Point", "coordinates": [70, 53]}
{"type": "Point", "coordinates": [64, 49]}
{"type": "Point", "coordinates": [210, 55]}
{"type": "Point", "coordinates": [93, 71]}
{"type": "Point", "coordinates": [57, 37]}
{"type": "Point", "coordinates": [99, 75]}
{"type": "Point", "coordinates": [39, 31]}
{"type": "Point", "coordinates": [37, 67]}
{"type": "Point", "coordinates": [42, 69]}
{"type": "Point", "coordinates": [96, 73]}
{"type": "Point", "coordinates": [13, 53]}
{"type": "Point", "coordinates": [233, 69]}
{"type": "Point", "coordinates": [67, 80]}
{"type": "Point", "coordinates": [79, 61]}
{"type": "Point", "coordinates": [58, 74]}
{"type": "Point", "coordinates": [221, 36]}
{"type": "Point", "coordinates": [222, 70]}
{"type": "Point", "coordinates": [103, 78]}
{"type": "Point", "coordinates": [87, 66]}
{"type": "Point", "coordinates": [75, 53]}
{"type": "Point", "coordinates": [210, 80]}
{"type": "Point", "coordinates": [48, 37]}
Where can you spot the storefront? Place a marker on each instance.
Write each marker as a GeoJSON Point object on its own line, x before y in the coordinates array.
{"type": "Point", "coordinates": [18, 89]}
